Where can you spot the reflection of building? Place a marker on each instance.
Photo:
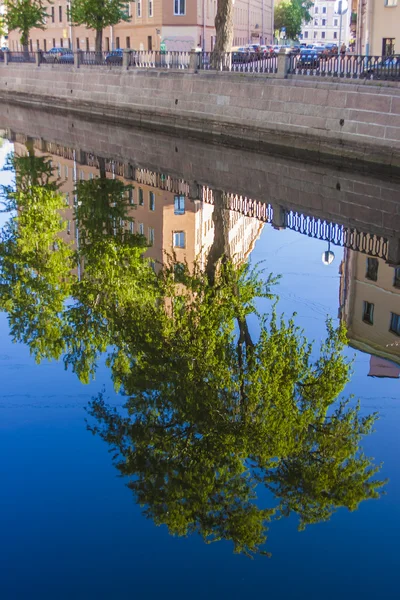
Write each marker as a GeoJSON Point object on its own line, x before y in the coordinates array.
{"type": "Point", "coordinates": [324, 26]}
{"type": "Point", "coordinates": [179, 24]}
{"type": "Point", "coordinates": [3, 32]}
{"type": "Point", "coordinates": [173, 217]}
{"type": "Point", "coordinates": [370, 307]}
{"type": "Point", "coordinates": [376, 26]}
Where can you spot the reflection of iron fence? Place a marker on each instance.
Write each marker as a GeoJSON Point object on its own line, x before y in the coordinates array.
{"type": "Point", "coordinates": [348, 237]}
{"type": "Point", "coordinates": [243, 205]}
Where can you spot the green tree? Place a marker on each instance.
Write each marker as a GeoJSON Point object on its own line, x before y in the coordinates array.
{"type": "Point", "coordinates": [291, 14]}
{"type": "Point", "coordinates": [98, 14]}
{"type": "Point", "coordinates": [24, 15]}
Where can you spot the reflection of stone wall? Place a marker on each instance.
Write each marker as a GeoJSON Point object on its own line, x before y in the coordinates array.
{"type": "Point", "coordinates": [355, 289]}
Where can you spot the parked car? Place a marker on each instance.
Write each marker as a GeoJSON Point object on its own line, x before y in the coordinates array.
{"type": "Point", "coordinates": [114, 57]}
{"type": "Point", "coordinates": [58, 55]}
{"type": "Point", "coordinates": [309, 58]}
{"type": "Point", "coordinates": [241, 54]}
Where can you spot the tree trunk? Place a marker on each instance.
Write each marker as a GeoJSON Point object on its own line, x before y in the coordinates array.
{"type": "Point", "coordinates": [224, 26]}
{"type": "Point", "coordinates": [99, 41]}
{"type": "Point", "coordinates": [25, 43]}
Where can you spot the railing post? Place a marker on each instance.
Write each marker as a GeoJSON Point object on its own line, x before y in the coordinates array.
{"type": "Point", "coordinates": [126, 59]}
{"type": "Point", "coordinates": [38, 58]}
{"type": "Point", "coordinates": [193, 61]}
{"type": "Point", "coordinates": [78, 59]}
{"type": "Point", "coordinates": [283, 63]}
{"type": "Point", "coordinates": [6, 57]}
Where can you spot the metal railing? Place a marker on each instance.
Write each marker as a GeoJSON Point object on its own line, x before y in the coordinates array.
{"type": "Point", "coordinates": [236, 62]}
{"type": "Point", "coordinates": [152, 59]}
{"type": "Point", "coordinates": [93, 58]}
{"type": "Point", "coordinates": [350, 66]}
{"type": "Point", "coordinates": [339, 235]}
{"type": "Point", "coordinates": [21, 57]}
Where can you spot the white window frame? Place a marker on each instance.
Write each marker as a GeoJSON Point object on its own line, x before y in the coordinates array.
{"type": "Point", "coordinates": [141, 228]}
{"type": "Point", "coordinates": [139, 8]}
{"type": "Point", "coordinates": [179, 204]}
{"type": "Point", "coordinates": [179, 8]}
{"type": "Point", "coordinates": [150, 8]}
{"type": "Point", "coordinates": [179, 239]}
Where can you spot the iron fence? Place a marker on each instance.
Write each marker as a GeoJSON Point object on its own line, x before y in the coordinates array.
{"type": "Point", "coordinates": [152, 59]}
{"type": "Point", "coordinates": [21, 57]}
{"type": "Point", "coordinates": [236, 62]}
{"type": "Point", "coordinates": [350, 67]}
{"type": "Point", "coordinates": [93, 58]}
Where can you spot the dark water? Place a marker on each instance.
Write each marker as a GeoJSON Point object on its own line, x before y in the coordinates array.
{"type": "Point", "coordinates": [70, 527]}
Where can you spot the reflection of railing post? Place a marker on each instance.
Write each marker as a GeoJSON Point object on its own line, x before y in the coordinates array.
{"type": "Point", "coordinates": [78, 59]}
{"type": "Point", "coordinates": [194, 192]}
{"type": "Point", "coordinates": [81, 157]}
{"type": "Point", "coordinates": [278, 216]}
{"type": "Point", "coordinates": [393, 257]}
{"type": "Point", "coordinates": [128, 171]}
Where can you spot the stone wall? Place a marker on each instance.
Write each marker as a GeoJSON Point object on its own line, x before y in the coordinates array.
{"type": "Point", "coordinates": [311, 117]}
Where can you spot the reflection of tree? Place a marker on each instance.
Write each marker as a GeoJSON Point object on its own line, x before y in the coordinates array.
{"type": "Point", "coordinates": [212, 411]}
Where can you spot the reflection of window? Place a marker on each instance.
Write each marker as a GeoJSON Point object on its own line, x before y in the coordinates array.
{"type": "Point", "coordinates": [69, 227]}
{"type": "Point", "coordinates": [141, 200]}
{"type": "Point", "coordinates": [151, 235]}
{"type": "Point", "coordinates": [130, 195]}
{"type": "Point", "coordinates": [179, 205]}
{"type": "Point", "coordinates": [152, 201]}
{"type": "Point", "coordinates": [132, 225]}
{"type": "Point", "coordinates": [316, 9]}
{"type": "Point", "coordinates": [141, 228]}
{"type": "Point", "coordinates": [395, 323]}
{"type": "Point", "coordinates": [59, 169]}
{"type": "Point", "coordinates": [396, 280]}
{"type": "Point", "coordinates": [179, 7]}
{"type": "Point", "coordinates": [368, 313]}
{"type": "Point", "coordinates": [372, 269]}
{"type": "Point", "coordinates": [67, 199]}
{"type": "Point", "coordinates": [179, 239]}
{"type": "Point", "coordinates": [66, 172]}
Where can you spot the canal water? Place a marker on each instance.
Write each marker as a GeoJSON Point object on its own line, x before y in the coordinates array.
{"type": "Point", "coordinates": [71, 527]}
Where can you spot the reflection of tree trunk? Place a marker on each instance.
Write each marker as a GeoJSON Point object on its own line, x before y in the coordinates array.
{"type": "Point", "coordinates": [220, 249]}
{"type": "Point", "coordinates": [102, 167]}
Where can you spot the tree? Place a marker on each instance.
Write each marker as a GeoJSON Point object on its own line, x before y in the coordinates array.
{"type": "Point", "coordinates": [291, 14]}
{"type": "Point", "coordinates": [24, 15]}
{"type": "Point", "coordinates": [98, 14]}
{"type": "Point", "coordinates": [224, 26]}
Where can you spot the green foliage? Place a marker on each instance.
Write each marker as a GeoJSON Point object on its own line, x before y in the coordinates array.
{"type": "Point", "coordinates": [24, 15]}
{"type": "Point", "coordinates": [98, 14]}
{"type": "Point", "coordinates": [291, 14]}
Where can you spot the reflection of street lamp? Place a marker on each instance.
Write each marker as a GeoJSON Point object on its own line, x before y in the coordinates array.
{"type": "Point", "coordinates": [328, 256]}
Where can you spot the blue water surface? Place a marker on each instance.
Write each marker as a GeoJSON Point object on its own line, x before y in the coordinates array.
{"type": "Point", "coordinates": [69, 527]}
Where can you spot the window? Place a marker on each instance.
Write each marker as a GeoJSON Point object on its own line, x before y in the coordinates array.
{"type": "Point", "coordinates": [315, 35]}
{"type": "Point", "coordinates": [141, 201]}
{"type": "Point", "coordinates": [179, 7]}
{"type": "Point", "coordinates": [324, 10]}
{"type": "Point", "coordinates": [141, 228]}
{"type": "Point", "coordinates": [107, 44]}
{"type": "Point", "coordinates": [128, 42]}
{"type": "Point", "coordinates": [324, 22]}
{"type": "Point", "coordinates": [77, 44]}
{"type": "Point", "coordinates": [323, 35]}
{"type": "Point", "coordinates": [152, 201]}
{"type": "Point", "coordinates": [60, 13]}
{"type": "Point", "coordinates": [138, 8]}
{"type": "Point", "coordinates": [30, 46]}
{"type": "Point", "coordinates": [68, 13]}
{"type": "Point", "coordinates": [52, 14]}
{"type": "Point", "coordinates": [179, 205]}
{"type": "Point", "coordinates": [316, 10]}
{"type": "Point", "coordinates": [151, 235]}
{"type": "Point", "coordinates": [81, 175]}
{"type": "Point", "coordinates": [395, 323]}
{"type": "Point", "coordinates": [179, 239]}
{"type": "Point", "coordinates": [390, 2]}
{"type": "Point", "coordinates": [335, 22]}
{"type": "Point", "coordinates": [396, 280]}
{"type": "Point", "coordinates": [37, 45]}
{"type": "Point", "coordinates": [66, 172]}
{"type": "Point", "coordinates": [368, 313]}
{"type": "Point", "coordinates": [315, 21]}
{"type": "Point", "coordinates": [45, 45]}
{"type": "Point", "coordinates": [61, 43]}
{"type": "Point", "coordinates": [54, 42]}
{"type": "Point", "coordinates": [67, 199]}
{"type": "Point", "coordinates": [388, 46]}
{"type": "Point", "coordinates": [305, 35]}
{"type": "Point", "coordinates": [372, 269]}
{"type": "Point", "coordinates": [150, 8]}
{"type": "Point", "coordinates": [87, 44]}
{"type": "Point", "coordinates": [335, 35]}
{"type": "Point", "coordinates": [117, 42]}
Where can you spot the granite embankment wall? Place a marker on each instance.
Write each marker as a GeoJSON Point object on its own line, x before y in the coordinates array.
{"type": "Point", "coordinates": [305, 117]}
